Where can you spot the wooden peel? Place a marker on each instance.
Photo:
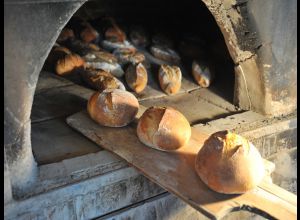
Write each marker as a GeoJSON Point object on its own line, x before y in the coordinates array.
{"type": "Point", "coordinates": [175, 172]}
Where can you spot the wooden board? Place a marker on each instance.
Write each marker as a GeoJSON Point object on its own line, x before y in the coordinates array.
{"type": "Point", "coordinates": [175, 172]}
{"type": "Point", "coordinates": [54, 141]}
{"type": "Point", "coordinates": [59, 102]}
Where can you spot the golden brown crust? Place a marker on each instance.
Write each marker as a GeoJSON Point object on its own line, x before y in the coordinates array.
{"type": "Point", "coordinates": [202, 74]}
{"type": "Point", "coordinates": [89, 34]}
{"type": "Point", "coordinates": [113, 108]}
{"type": "Point", "coordinates": [136, 77]}
{"type": "Point", "coordinates": [100, 80]}
{"type": "Point", "coordinates": [69, 64]}
{"type": "Point", "coordinates": [55, 54]}
{"type": "Point", "coordinates": [228, 163]}
{"type": "Point", "coordinates": [170, 79]}
{"type": "Point", "coordinates": [163, 128]}
{"type": "Point", "coordinates": [65, 34]}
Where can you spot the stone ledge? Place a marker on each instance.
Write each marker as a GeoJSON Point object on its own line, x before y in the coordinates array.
{"type": "Point", "coordinates": [52, 176]}
{"type": "Point", "coordinates": [86, 199]}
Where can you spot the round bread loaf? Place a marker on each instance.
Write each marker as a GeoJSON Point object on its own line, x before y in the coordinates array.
{"type": "Point", "coordinates": [69, 64]}
{"type": "Point", "coordinates": [228, 163]}
{"type": "Point", "coordinates": [163, 128]}
{"type": "Point", "coordinates": [136, 77]}
{"type": "Point", "coordinates": [113, 107]}
{"type": "Point", "coordinates": [169, 78]}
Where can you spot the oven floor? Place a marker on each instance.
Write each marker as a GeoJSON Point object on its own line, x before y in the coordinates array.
{"type": "Point", "coordinates": [56, 98]}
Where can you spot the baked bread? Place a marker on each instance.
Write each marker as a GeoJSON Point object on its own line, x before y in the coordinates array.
{"type": "Point", "coordinates": [128, 55]}
{"type": "Point", "coordinates": [113, 107]}
{"type": "Point", "coordinates": [163, 128]}
{"type": "Point", "coordinates": [65, 34]}
{"type": "Point", "coordinates": [136, 77]}
{"type": "Point", "coordinates": [202, 74]}
{"type": "Point", "coordinates": [165, 54]}
{"type": "Point", "coordinates": [104, 61]}
{"type": "Point", "coordinates": [89, 34]}
{"type": "Point", "coordinates": [101, 80]}
{"type": "Point", "coordinates": [69, 64]}
{"type": "Point", "coordinates": [111, 46]}
{"type": "Point", "coordinates": [230, 164]}
{"type": "Point", "coordinates": [114, 32]}
{"type": "Point", "coordinates": [56, 53]}
{"type": "Point", "coordinates": [169, 78]}
{"type": "Point", "coordinates": [79, 47]}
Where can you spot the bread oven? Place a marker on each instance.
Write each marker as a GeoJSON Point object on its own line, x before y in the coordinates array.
{"type": "Point", "coordinates": [253, 92]}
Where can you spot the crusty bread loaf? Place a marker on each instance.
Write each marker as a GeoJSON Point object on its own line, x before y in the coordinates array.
{"type": "Point", "coordinates": [114, 32]}
{"type": "Point", "coordinates": [79, 47]}
{"type": "Point", "coordinates": [65, 34]}
{"type": "Point", "coordinates": [69, 64]}
{"type": "Point", "coordinates": [105, 61]}
{"type": "Point", "coordinates": [113, 107]}
{"type": "Point", "coordinates": [89, 34]}
{"type": "Point", "coordinates": [163, 128]}
{"type": "Point", "coordinates": [169, 79]}
{"type": "Point", "coordinates": [56, 53]}
{"type": "Point", "coordinates": [202, 74]}
{"type": "Point", "coordinates": [136, 77]}
{"type": "Point", "coordinates": [230, 164]}
{"type": "Point", "coordinates": [128, 55]}
{"type": "Point", "coordinates": [101, 80]}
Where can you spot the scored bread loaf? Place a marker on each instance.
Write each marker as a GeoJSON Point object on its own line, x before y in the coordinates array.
{"type": "Point", "coordinates": [163, 128]}
{"type": "Point", "coordinates": [228, 163]}
{"type": "Point", "coordinates": [169, 78]}
{"type": "Point", "coordinates": [136, 77]}
{"type": "Point", "coordinates": [101, 80]}
{"type": "Point", "coordinates": [128, 55]}
{"type": "Point", "coordinates": [69, 64]}
{"type": "Point", "coordinates": [113, 107]}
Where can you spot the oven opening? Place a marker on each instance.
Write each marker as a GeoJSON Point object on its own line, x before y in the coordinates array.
{"type": "Point", "coordinates": [185, 28]}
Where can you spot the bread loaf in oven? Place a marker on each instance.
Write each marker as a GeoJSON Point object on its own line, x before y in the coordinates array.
{"type": "Point", "coordinates": [163, 128]}
{"type": "Point", "coordinates": [230, 164]}
{"type": "Point", "coordinates": [113, 107]}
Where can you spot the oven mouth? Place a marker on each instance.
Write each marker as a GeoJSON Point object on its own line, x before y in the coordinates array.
{"type": "Point", "coordinates": [195, 37]}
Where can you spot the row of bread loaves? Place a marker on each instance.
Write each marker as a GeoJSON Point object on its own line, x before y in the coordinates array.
{"type": "Point", "coordinates": [227, 163]}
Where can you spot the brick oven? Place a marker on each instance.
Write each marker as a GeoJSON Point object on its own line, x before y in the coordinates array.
{"type": "Point", "coordinates": [51, 171]}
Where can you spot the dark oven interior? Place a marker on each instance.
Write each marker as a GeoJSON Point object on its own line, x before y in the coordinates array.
{"type": "Point", "coordinates": [193, 34]}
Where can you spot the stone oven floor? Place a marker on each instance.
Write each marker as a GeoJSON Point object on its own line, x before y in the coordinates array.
{"type": "Point", "coordinates": [56, 98]}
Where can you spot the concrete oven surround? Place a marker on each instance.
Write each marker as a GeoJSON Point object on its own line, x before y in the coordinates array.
{"type": "Point", "coordinates": [260, 36]}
